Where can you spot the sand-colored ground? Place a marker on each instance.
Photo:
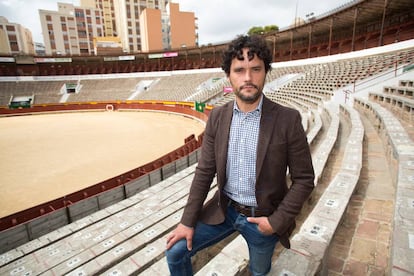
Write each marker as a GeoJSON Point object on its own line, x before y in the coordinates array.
{"type": "Point", "coordinates": [44, 157]}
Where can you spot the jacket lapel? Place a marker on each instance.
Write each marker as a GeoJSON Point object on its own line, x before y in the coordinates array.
{"type": "Point", "coordinates": [265, 132]}
{"type": "Point", "coordinates": [223, 132]}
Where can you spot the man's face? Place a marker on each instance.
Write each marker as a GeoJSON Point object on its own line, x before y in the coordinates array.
{"type": "Point", "coordinates": [247, 77]}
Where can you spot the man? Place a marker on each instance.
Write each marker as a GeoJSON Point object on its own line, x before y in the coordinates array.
{"type": "Point", "coordinates": [249, 144]}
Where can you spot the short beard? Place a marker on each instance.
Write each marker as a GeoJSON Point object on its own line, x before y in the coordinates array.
{"type": "Point", "coordinates": [248, 99]}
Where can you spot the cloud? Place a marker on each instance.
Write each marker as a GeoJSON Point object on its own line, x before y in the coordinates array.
{"type": "Point", "coordinates": [26, 13]}
{"type": "Point", "coordinates": [221, 21]}
{"type": "Point", "coordinates": [218, 21]}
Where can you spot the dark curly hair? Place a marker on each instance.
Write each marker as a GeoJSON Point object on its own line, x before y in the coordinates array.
{"type": "Point", "coordinates": [256, 45]}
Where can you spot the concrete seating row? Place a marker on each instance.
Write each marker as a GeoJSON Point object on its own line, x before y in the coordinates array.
{"type": "Point", "coordinates": [406, 83]}
{"type": "Point", "coordinates": [104, 89]}
{"type": "Point", "coordinates": [321, 155]}
{"type": "Point", "coordinates": [107, 239]}
{"type": "Point", "coordinates": [320, 80]}
{"type": "Point", "coordinates": [29, 233]}
{"type": "Point", "coordinates": [406, 91]}
{"type": "Point", "coordinates": [309, 245]}
{"type": "Point", "coordinates": [44, 91]}
{"type": "Point", "coordinates": [316, 129]}
{"type": "Point", "coordinates": [298, 98]}
{"type": "Point", "coordinates": [314, 97]}
{"type": "Point", "coordinates": [312, 124]}
{"type": "Point", "coordinates": [223, 99]}
{"type": "Point", "coordinates": [209, 90]}
{"type": "Point", "coordinates": [401, 105]}
{"type": "Point", "coordinates": [307, 116]}
{"type": "Point", "coordinates": [284, 98]}
{"type": "Point", "coordinates": [400, 150]}
{"type": "Point", "coordinates": [177, 87]}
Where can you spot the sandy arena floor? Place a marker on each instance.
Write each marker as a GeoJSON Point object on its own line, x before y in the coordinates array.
{"type": "Point", "coordinates": [44, 157]}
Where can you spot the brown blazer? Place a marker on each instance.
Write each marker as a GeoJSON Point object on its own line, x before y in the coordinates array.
{"type": "Point", "coordinates": [282, 143]}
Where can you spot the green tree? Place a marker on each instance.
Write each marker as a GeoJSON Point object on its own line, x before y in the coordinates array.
{"type": "Point", "coordinates": [262, 30]}
{"type": "Point", "coordinates": [256, 30]}
{"type": "Point", "coordinates": [271, 28]}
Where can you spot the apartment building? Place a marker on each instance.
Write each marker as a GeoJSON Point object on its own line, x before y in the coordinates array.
{"type": "Point", "coordinates": [70, 30]}
{"type": "Point", "coordinates": [169, 29]}
{"type": "Point", "coordinates": [140, 25]}
{"type": "Point", "coordinates": [151, 30]}
{"type": "Point", "coordinates": [183, 27]}
{"type": "Point", "coordinates": [108, 14]}
{"type": "Point", "coordinates": [15, 39]}
{"type": "Point", "coordinates": [127, 14]}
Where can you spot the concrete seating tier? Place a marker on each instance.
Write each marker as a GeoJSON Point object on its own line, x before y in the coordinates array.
{"type": "Point", "coordinates": [406, 91]}
{"type": "Point", "coordinates": [309, 97]}
{"type": "Point", "coordinates": [29, 231]}
{"type": "Point", "coordinates": [104, 89]}
{"type": "Point", "coordinates": [307, 118]}
{"type": "Point", "coordinates": [283, 98]}
{"type": "Point", "coordinates": [44, 91]}
{"type": "Point", "coordinates": [316, 128]}
{"type": "Point", "coordinates": [319, 81]}
{"type": "Point", "coordinates": [401, 105]}
{"type": "Point", "coordinates": [400, 149]}
{"type": "Point", "coordinates": [305, 101]}
{"type": "Point", "coordinates": [321, 155]}
{"type": "Point", "coordinates": [315, 117]}
{"type": "Point", "coordinates": [132, 229]}
{"type": "Point", "coordinates": [223, 99]}
{"type": "Point", "coordinates": [309, 245]}
{"type": "Point", "coordinates": [406, 83]}
{"type": "Point", "coordinates": [176, 87]}
{"type": "Point", "coordinates": [208, 93]}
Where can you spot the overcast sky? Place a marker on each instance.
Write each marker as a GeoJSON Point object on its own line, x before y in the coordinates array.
{"type": "Point", "coordinates": [218, 20]}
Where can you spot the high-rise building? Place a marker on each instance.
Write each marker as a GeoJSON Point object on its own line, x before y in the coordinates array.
{"type": "Point", "coordinates": [151, 30]}
{"type": "Point", "coordinates": [182, 31]}
{"type": "Point", "coordinates": [139, 25]}
{"type": "Point", "coordinates": [70, 30]}
{"type": "Point", "coordinates": [127, 17]}
{"type": "Point", "coordinates": [15, 39]}
{"type": "Point", "coordinates": [168, 29]}
{"type": "Point", "coordinates": [108, 14]}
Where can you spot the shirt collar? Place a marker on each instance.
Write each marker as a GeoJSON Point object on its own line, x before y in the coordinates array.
{"type": "Point", "coordinates": [258, 108]}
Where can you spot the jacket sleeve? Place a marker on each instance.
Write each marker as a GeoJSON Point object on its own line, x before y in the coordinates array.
{"type": "Point", "coordinates": [204, 173]}
{"type": "Point", "coordinates": [301, 171]}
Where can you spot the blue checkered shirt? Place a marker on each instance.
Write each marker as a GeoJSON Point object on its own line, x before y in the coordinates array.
{"type": "Point", "coordinates": [241, 155]}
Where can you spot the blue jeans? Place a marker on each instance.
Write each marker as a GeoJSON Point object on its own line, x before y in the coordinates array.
{"type": "Point", "coordinates": [260, 246]}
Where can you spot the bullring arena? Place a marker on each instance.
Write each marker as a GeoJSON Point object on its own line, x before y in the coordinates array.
{"type": "Point", "coordinates": [80, 149]}
{"type": "Point", "coordinates": [349, 72]}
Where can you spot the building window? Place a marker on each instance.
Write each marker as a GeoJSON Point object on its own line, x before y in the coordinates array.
{"type": "Point", "coordinates": [14, 46]}
{"type": "Point", "coordinates": [79, 13]}
{"type": "Point", "coordinates": [10, 28]}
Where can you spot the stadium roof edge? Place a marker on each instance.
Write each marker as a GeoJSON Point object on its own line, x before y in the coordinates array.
{"type": "Point", "coordinates": [398, 46]}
